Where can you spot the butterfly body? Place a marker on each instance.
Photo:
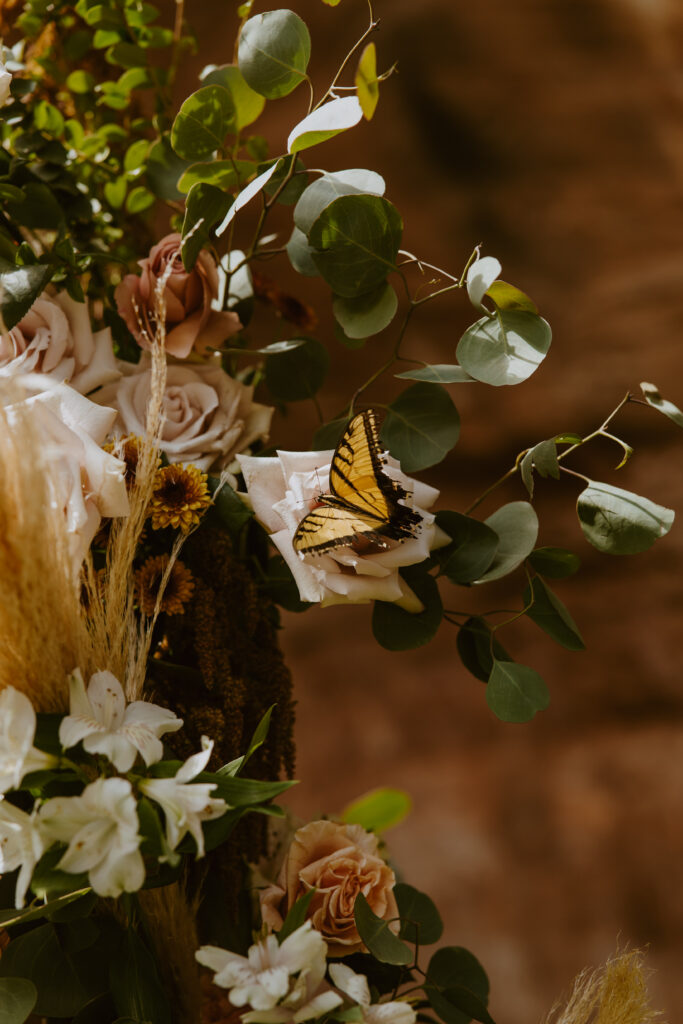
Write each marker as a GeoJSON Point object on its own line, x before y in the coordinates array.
{"type": "Point", "coordinates": [363, 506]}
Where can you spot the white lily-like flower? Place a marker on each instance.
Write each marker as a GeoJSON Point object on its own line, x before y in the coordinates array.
{"type": "Point", "coordinates": [101, 828]}
{"type": "Point", "coordinates": [355, 986]}
{"type": "Point", "coordinates": [21, 846]}
{"type": "Point", "coordinates": [279, 981]}
{"type": "Point", "coordinates": [186, 804]}
{"type": "Point", "coordinates": [18, 756]}
{"type": "Point", "coordinates": [101, 719]}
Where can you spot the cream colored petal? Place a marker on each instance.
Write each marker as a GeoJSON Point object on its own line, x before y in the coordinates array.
{"type": "Point", "coordinates": [265, 484]}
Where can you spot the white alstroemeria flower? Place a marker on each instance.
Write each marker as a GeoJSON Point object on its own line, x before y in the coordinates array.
{"type": "Point", "coordinates": [5, 83]}
{"type": "Point", "coordinates": [355, 986]}
{"type": "Point", "coordinates": [106, 725]}
{"type": "Point", "coordinates": [283, 489]}
{"type": "Point", "coordinates": [21, 846]}
{"type": "Point", "coordinates": [186, 804]}
{"type": "Point", "coordinates": [101, 828]}
{"type": "Point", "coordinates": [480, 277]}
{"type": "Point", "coordinates": [18, 756]}
{"type": "Point", "coordinates": [279, 982]}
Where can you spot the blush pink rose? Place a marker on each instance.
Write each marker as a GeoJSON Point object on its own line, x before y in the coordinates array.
{"type": "Point", "coordinates": [339, 861]}
{"type": "Point", "coordinates": [191, 322]}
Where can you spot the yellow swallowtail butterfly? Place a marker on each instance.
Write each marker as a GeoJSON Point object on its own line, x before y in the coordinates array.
{"type": "Point", "coordinates": [363, 504]}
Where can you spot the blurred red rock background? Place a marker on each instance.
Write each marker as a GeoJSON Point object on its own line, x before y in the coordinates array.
{"type": "Point", "coordinates": [551, 131]}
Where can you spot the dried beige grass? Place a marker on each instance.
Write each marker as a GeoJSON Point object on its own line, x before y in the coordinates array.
{"type": "Point", "coordinates": [170, 916]}
{"type": "Point", "coordinates": [615, 993]}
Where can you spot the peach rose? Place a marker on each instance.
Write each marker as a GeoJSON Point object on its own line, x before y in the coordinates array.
{"type": "Point", "coordinates": [339, 861]}
{"type": "Point", "coordinates": [191, 322]}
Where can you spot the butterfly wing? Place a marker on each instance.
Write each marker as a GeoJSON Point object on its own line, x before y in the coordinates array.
{"type": "Point", "coordinates": [329, 526]}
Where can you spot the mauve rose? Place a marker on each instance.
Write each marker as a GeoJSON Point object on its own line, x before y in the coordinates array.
{"type": "Point", "coordinates": [208, 416]}
{"type": "Point", "coordinates": [55, 338]}
{"type": "Point", "coordinates": [339, 861]}
{"type": "Point", "coordinates": [191, 323]}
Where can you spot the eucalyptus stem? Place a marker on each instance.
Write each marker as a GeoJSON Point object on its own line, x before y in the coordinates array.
{"type": "Point", "coordinates": [372, 27]}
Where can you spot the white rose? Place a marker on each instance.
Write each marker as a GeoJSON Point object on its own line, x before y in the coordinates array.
{"type": "Point", "coordinates": [86, 482]}
{"type": "Point", "coordinates": [5, 83]}
{"type": "Point", "coordinates": [208, 416]}
{"type": "Point", "coordinates": [55, 338]}
{"type": "Point", "coordinates": [284, 489]}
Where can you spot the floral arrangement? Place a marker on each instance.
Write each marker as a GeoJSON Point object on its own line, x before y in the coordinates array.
{"type": "Point", "coordinates": [150, 528]}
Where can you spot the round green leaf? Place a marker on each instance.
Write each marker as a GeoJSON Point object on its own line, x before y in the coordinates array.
{"type": "Point", "coordinates": [398, 630]}
{"type": "Point", "coordinates": [478, 646]}
{"type": "Point", "coordinates": [378, 810]}
{"type": "Point", "coordinates": [439, 373]}
{"type": "Point", "coordinates": [421, 427]}
{"type": "Point", "coordinates": [324, 123]}
{"type": "Point", "coordinates": [555, 563]}
{"type": "Point", "coordinates": [139, 199]}
{"type": "Point", "coordinates": [225, 174]}
{"type": "Point", "coordinates": [164, 169]}
{"type": "Point", "coordinates": [505, 348]}
{"type": "Point", "coordinates": [652, 397]}
{"type": "Point", "coordinates": [368, 314]}
{"type": "Point", "coordinates": [454, 966]}
{"type": "Point", "coordinates": [274, 51]}
{"type": "Point", "coordinates": [377, 936]}
{"type": "Point", "coordinates": [18, 996]}
{"type": "Point", "coordinates": [328, 187]}
{"type": "Point", "coordinates": [248, 104]}
{"type": "Point", "coordinates": [515, 692]}
{"type": "Point", "coordinates": [301, 254]}
{"type": "Point", "coordinates": [356, 239]}
{"type": "Point", "coordinates": [618, 522]}
{"type": "Point", "coordinates": [80, 82]}
{"type": "Point", "coordinates": [19, 288]}
{"type": "Point", "coordinates": [506, 296]}
{"type": "Point", "coordinates": [552, 616]}
{"type": "Point", "coordinates": [472, 550]}
{"type": "Point", "coordinates": [202, 123]}
{"type": "Point", "coordinates": [298, 373]}
{"type": "Point", "coordinates": [205, 206]}
{"type": "Point", "coordinates": [48, 119]}
{"type": "Point", "coordinates": [420, 920]}
{"type": "Point", "coordinates": [517, 527]}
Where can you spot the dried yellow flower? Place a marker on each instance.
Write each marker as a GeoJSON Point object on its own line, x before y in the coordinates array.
{"type": "Point", "coordinates": [179, 498]}
{"type": "Point", "coordinates": [178, 591]}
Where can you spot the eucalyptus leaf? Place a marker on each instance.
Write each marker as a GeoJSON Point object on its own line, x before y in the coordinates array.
{"type": "Point", "coordinates": [542, 458]}
{"type": "Point", "coordinates": [554, 563]}
{"type": "Point", "coordinates": [274, 50]}
{"type": "Point", "coordinates": [473, 547]}
{"type": "Point", "coordinates": [439, 373]}
{"type": "Point", "coordinates": [377, 935]}
{"type": "Point", "coordinates": [451, 967]}
{"type": "Point", "coordinates": [164, 169]}
{"type": "Point", "coordinates": [516, 525]}
{"type": "Point", "coordinates": [17, 999]}
{"type": "Point", "coordinates": [247, 103]}
{"type": "Point", "coordinates": [663, 405]}
{"type": "Point", "coordinates": [329, 435]}
{"type": "Point", "coordinates": [478, 646]}
{"type": "Point", "coordinates": [202, 123]}
{"type": "Point", "coordinates": [232, 512]}
{"type": "Point", "coordinates": [19, 288]}
{"type": "Point", "coordinates": [548, 612]}
{"type": "Point", "coordinates": [378, 810]}
{"type": "Point", "coordinates": [366, 81]}
{"type": "Point", "coordinates": [458, 1003]}
{"type": "Point", "coordinates": [480, 276]}
{"type": "Point", "coordinates": [368, 314]}
{"type": "Point", "coordinates": [296, 915]}
{"type": "Point", "coordinates": [324, 123]}
{"type": "Point", "coordinates": [205, 206]}
{"type": "Point", "coordinates": [396, 629]}
{"type": "Point", "coordinates": [420, 920]}
{"type": "Point", "coordinates": [330, 186]}
{"type": "Point", "coordinates": [38, 956]}
{"type": "Point", "coordinates": [298, 373]}
{"type": "Point", "coordinates": [293, 189]}
{"type": "Point", "coordinates": [246, 195]}
{"type": "Point", "coordinates": [515, 692]}
{"type": "Point", "coordinates": [356, 240]}
{"type": "Point", "coordinates": [421, 427]}
{"type": "Point", "coordinates": [506, 296]}
{"type": "Point", "coordinates": [224, 174]}
{"type": "Point", "coordinates": [618, 522]}
{"type": "Point", "coordinates": [300, 254]}
{"type": "Point", "coordinates": [504, 348]}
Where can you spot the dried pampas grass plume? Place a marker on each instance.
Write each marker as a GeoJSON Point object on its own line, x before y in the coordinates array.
{"type": "Point", "coordinates": [615, 993]}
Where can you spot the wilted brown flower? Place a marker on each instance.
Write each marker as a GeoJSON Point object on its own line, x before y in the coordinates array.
{"type": "Point", "coordinates": [178, 591]}
{"type": "Point", "coordinates": [179, 498]}
{"type": "Point", "coordinates": [291, 309]}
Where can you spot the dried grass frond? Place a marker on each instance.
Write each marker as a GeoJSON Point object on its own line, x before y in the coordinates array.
{"type": "Point", "coordinates": [42, 637]}
{"type": "Point", "coordinates": [170, 917]}
{"type": "Point", "coordinates": [615, 993]}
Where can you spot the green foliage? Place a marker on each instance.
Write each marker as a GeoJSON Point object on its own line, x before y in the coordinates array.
{"type": "Point", "coordinates": [548, 612]}
{"type": "Point", "coordinates": [377, 935]}
{"type": "Point", "coordinates": [504, 348]}
{"type": "Point", "coordinates": [441, 373]}
{"type": "Point", "coordinates": [205, 207]}
{"type": "Point", "coordinates": [454, 972]}
{"type": "Point", "coordinates": [478, 647]}
{"type": "Point", "coordinates": [367, 314]}
{"type": "Point", "coordinates": [473, 547]}
{"type": "Point", "coordinates": [421, 427]}
{"type": "Point", "coordinates": [224, 174]}
{"type": "Point", "coordinates": [232, 512]}
{"type": "Point", "coordinates": [39, 957]}
{"type": "Point", "coordinates": [248, 105]}
{"type": "Point", "coordinates": [506, 296]}
{"type": "Point", "coordinates": [378, 810]}
{"type": "Point", "coordinates": [399, 630]}
{"type": "Point", "coordinates": [516, 526]}
{"type": "Point", "coordinates": [652, 397]}
{"type": "Point", "coordinates": [34, 912]}
{"type": "Point", "coordinates": [542, 458]}
{"type": "Point", "coordinates": [420, 920]}
{"type": "Point", "coordinates": [19, 288]}
{"type": "Point", "coordinates": [328, 187]}
{"type": "Point", "coordinates": [135, 983]}
{"type": "Point", "coordinates": [515, 692]}
{"type": "Point", "coordinates": [324, 123]}
{"type": "Point", "coordinates": [296, 915]}
{"type": "Point", "coordinates": [366, 81]}
{"type": "Point", "coordinates": [554, 563]}
{"type": "Point", "coordinates": [618, 522]}
{"type": "Point", "coordinates": [297, 373]}
{"type": "Point", "coordinates": [17, 998]}
{"type": "Point", "coordinates": [202, 123]}
{"type": "Point", "coordinates": [274, 51]}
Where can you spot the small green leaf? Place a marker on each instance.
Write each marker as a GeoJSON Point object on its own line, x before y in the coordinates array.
{"type": "Point", "coordinates": [506, 296]}
{"type": "Point", "coordinates": [205, 206]}
{"type": "Point", "coordinates": [136, 154]}
{"type": "Point", "coordinates": [517, 527]}
{"type": "Point", "coordinates": [505, 348]}
{"type": "Point", "coordinates": [224, 174]}
{"type": "Point", "coordinates": [454, 967]}
{"type": "Point", "coordinates": [164, 169]}
{"type": "Point", "coordinates": [663, 405]}
{"type": "Point", "coordinates": [478, 646]}
{"type": "Point", "coordinates": [274, 50]}
{"type": "Point", "coordinates": [473, 547]}
{"type": "Point", "coordinates": [543, 458]}
{"type": "Point", "coordinates": [366, 81]}
{"type": "Point", "coordinates": [515, 692]}
{"type": "Point", "coordinates": [324, 123]}
{"type": "Point", "coordinates": [48, 119]}
{"type": "Point", "coordinates": [368, 314]}
{"type": "Point", "coordinates": [548, 612]}
{"type": "Point", "coordinates": [80, 82]}
{"type": "Point", "coordinates": [420, 920]}
{"type": "Point", "coordinates": [396, 629]}
{"type": "Point", "coordinates": [202, 123]}
{"type": "Point", "coordinates": [139, 199]}
{"type": "Point", "coordinates": [248, 104]}
{"type": "Point", "coordinates": [296, 915]}
{"type": "Point", "coordinates": [18, 996]}
{"type": "Point", "coordinates": [297, 374]}
{"type": "Point", "coordinates": [421, 427]}
{"type": "Point", "coordinates": [378, 810]}
{"type": "Point", "coordinates": [257, 740]}
{"type": "Point", "coordinates": [328, 187]}
{"type": "Point", "coordinates": [618, 522]}
{"type": "Point", "coordinates": [439, 373]}
{"type": "Point", "coordinates": [229, 507]}
{"type": "Point", "coordinates": [19, 288]}
{"type": "Point", "coordinates": [377, 936]}
{"type": "Point", "coordinates": [555, 563]}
